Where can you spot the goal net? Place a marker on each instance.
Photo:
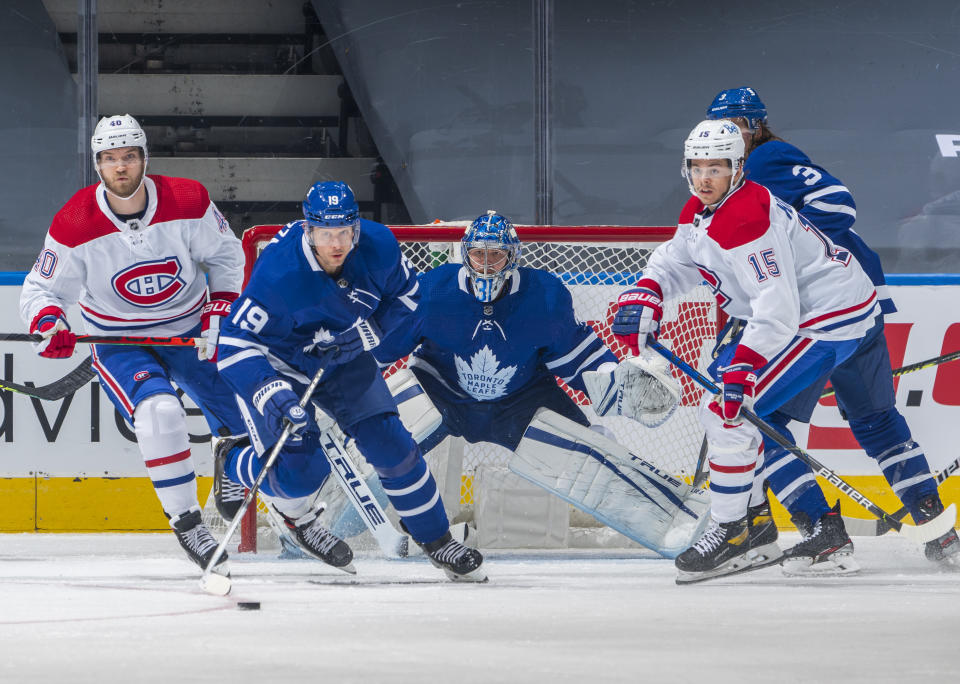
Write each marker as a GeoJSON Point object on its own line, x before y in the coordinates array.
{"type": "Point", "coordinates": [596, 263]}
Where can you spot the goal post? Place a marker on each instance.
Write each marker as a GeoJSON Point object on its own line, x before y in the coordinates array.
{"type": "Point", "coordinates": [596, 263]}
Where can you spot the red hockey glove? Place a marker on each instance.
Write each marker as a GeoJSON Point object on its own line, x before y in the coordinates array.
{"type": "Point", "coordinates": [638, 315]}
{"type": "Point", "coordinates": [213, 311]}
{"type": "Point", "coordinates": [58, 342]}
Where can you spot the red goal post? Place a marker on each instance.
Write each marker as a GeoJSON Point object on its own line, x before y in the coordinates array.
{"type": "Point", "coordinates": [596, 263]}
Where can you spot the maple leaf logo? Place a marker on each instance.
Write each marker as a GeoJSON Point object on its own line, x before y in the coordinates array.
{"type": "Point", "coordinates": [483, 378]}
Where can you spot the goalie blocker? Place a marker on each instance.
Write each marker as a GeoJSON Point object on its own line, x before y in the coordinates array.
{"type": "Point", "coordinates": [602, 478]}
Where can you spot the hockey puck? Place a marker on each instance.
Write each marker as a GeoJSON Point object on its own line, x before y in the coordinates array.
{"type": "Point", "coordinates": [248, 605]}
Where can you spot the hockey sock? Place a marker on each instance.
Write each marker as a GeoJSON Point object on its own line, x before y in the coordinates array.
{"type": "Point", "coordinates": [161, 431]}
{"type": "Point", "coordinates": [790, 479]}
{"type": "Point", "coordinates": [886, 437]}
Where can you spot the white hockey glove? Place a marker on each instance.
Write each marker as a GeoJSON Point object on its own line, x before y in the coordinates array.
{"type": "Point", "coordinates": [642, 388]}
{"type": "Point", "coordinates": [210, 316]}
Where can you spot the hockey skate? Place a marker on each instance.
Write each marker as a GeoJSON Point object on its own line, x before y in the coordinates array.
{"type": "Point", "coordinates": [762, 532]}
{"type": "Point", "coordinates": [460, 563]}
{"type": "Point", "coordinates": [826, 548]}
{"type": "Point", "coordinates": [227, 494]}
{"type": "Point", "coordinates": [316, 540]}
{"type": "Point", "coordinates": [946, 548]}
{"type": "Point", "coordinates": [197, 541]}
{"type": "Point", "coordinates": [722, 550]}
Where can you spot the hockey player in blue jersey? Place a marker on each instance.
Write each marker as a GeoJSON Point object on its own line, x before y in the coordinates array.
{"type": "Point", "coordinates": [488, 342]}
{"type": "Point", "coordinates": [318, 298]}
{"type": "Point", "coordinates": [864, 383]}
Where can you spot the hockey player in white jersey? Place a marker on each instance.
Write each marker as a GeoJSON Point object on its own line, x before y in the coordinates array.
{"type": "Point", "coordinates": [488, 343]}
{"type": "Point", "coordinates": [318, 298]}
{"type": "Point", "coordinates": [144, 255]}
{"type": "Point", "coordinates": [864, 382]}
{"type": "Point", "coordinates": [808, 306]}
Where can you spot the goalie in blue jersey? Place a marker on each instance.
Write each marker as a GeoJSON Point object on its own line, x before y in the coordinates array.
{"type": "Point", "coordinates": [863, 384]}
{"type": "Point", "coordinates": [488, 342]}
{"type": "Point", "coordinates": [318, 298]}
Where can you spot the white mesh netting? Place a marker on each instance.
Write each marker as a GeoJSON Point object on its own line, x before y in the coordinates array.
{"type": "Point", "coordinates": [596, 272]}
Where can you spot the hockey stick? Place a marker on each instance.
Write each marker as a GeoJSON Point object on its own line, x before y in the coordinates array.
{"type": "Point", "coordinates": [861, 527]}
{"type": "Point", "coordinates": [214, 583]}
{"type": "Point", "coordinates": [919, 365]}
{"type": "Point", "coordinates": [58, 389]}
{"type": "Point", "coordinates": [923, 533]}
{"type": "Point", "coordinates": [391, 542]}
{"type": "Point", "coordinates": [111, 339]}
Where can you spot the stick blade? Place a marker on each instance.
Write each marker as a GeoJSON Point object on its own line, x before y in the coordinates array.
{"type": "Point", "coordinates": [933, 528]}
{"type": "Point", "coordinates": [213, 583]}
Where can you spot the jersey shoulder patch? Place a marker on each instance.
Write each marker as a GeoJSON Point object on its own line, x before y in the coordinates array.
{"type": "Point", "coordinates": [81, 220]}
{"type": "Point", "coordinates": [179, 198]}
{"type": "Point", "coordinates": [742, 218]}
{"type": "Point", "coordinates": [693, 207]}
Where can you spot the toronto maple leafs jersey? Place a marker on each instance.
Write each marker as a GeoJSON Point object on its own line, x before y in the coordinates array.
{"type": "Point", "coordinates": [487, 351]}
{"type": "Point", "coordinates": [810, 189]}
{"type": "Point", "coordinates": [768, 266]}
{"type": "Point", "coordinates": [146, 276]}
{"type": "Point", "coordinates": [291, 305]}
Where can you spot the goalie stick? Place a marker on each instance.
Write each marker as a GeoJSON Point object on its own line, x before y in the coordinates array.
{"type": "Point", "coordinates": [214, 583]}
{"type": "Point", "coordinates": [929, 531]}
{"type": "Point", "coordinates": [58, 389]}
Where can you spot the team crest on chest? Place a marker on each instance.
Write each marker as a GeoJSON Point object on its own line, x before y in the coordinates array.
{"type": "Point", "coordinates": [150, 283]}
{"type": "Point", "coordinates": [483, 378]}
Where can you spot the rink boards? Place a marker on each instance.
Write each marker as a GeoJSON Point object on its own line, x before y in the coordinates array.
{"type": "Point", "coordinates": [73, 465]}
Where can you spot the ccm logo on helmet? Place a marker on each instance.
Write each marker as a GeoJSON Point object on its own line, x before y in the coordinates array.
{"type": "Point", "coordinates": [150, 283]}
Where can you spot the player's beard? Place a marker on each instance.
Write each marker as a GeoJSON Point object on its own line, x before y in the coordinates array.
{"type": "Point", "coordinates": [125, 189]}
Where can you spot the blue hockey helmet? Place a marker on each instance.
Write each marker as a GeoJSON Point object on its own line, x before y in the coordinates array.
{"type": "Point", "coordinates": [491, 252]}
{"type": "Point", "coordinates": [739, 103]}
{"type": "Point", "coordinates": [330, 204]}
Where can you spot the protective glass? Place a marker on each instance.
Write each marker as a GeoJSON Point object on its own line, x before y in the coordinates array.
{"type": "Point", "coordinates": [716, 170]}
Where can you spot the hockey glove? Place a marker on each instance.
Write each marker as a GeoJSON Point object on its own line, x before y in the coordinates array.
{"type": "Point", "coordinates": [638, 315]}
{"type": "Point", "coordinates": [351, 343]}
{"type": "Point", "coordinates": [278, 404]}
{"type": "Point", "coordinates": [58, 342]}
{"type": "Point", "coordinates": [738, 383]}
{"type": "Point", "coordinates": [210, 316]}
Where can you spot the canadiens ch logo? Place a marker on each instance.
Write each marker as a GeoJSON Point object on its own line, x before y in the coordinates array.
{"type": "Point", "coordinates": [149, 283]}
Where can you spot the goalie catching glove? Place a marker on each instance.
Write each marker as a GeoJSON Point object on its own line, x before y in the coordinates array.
{"type": "Point", "coordinates": [642, 388]}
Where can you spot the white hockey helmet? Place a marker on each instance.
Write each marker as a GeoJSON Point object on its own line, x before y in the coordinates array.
{"type": "Point", "coordinates": [119, 130]}
{"type": "Point", "coordinates": [714, 139]}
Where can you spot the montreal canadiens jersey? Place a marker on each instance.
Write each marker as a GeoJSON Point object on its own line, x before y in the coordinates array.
{"type": "Point", "coordinates": [142, 277]}
{"type": "Point", "coordinates": [790, 175]}
{"type": "Point", "coordinates": [768, 266]}
{"type": "Point", "coordinates": [483, 352]}
{"type": "Point", "coordinates": [291, 305]}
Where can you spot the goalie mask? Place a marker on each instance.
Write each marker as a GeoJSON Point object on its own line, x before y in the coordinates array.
{"type": "Point", "coordinates": [491, 252]}
{"type": "Point", "coordinates": [715, 140]}
{"type": "Point", "coordinates": [330, 205]}
{"type": "Point", "coordinates": [113, 132]}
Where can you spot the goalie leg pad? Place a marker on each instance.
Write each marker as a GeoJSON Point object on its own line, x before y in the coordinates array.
{"type": "Point", "coordinates": [417, 412]}
{"type": "Point", "coordinates": [602, 478]}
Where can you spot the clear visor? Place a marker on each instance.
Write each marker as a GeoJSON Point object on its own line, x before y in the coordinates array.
{"type": "Point", "coordinates": [711, 170]}
{"type": "Point", "coordinates": [330, 236]}
{"type": "Point", "coordinates": [112, 159]}
{"type": "Point", "coordinates": [487, 261]}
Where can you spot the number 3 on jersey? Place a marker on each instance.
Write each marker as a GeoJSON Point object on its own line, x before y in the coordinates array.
{"type": "Point", "coordinates": [250, 317]}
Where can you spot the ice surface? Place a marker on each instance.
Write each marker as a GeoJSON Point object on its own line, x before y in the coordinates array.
{"type": "Point", "coordinates": [128, 608]}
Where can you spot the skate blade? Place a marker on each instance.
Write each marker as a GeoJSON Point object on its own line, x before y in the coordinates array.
{"type": "Point", "coordinates": [478, 576]}
{"type": "Point", "coordinates": [348, 568]}
{"type": "Point", "coordinates": [734, 566]}
{"type": "Point", "coordinates": [838, 564]}
{"type": "Point", "coordinates": [768, 554]}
